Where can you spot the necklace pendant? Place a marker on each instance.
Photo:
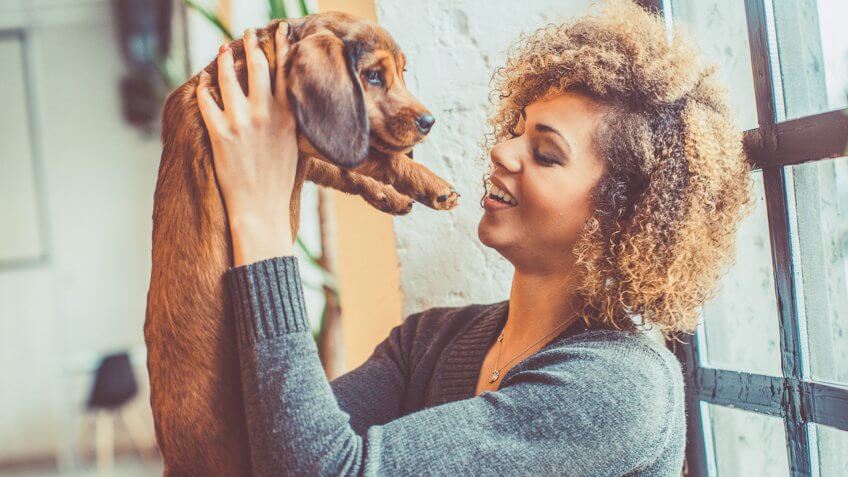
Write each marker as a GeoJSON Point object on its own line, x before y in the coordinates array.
{"type": "Point", "coordinates": [495, 375]}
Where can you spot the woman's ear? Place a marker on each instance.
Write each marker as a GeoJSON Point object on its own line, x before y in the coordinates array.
{"type": "Point", "coordinates": [327, 98]}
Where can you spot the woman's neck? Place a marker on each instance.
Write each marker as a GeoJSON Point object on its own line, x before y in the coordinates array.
{"type": "Point", "coordinates": [538, 303]}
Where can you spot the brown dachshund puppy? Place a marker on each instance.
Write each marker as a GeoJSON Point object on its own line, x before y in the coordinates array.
{"type": "Point", "coordinates": [356, 124]}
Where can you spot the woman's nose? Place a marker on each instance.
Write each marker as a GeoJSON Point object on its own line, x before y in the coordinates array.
{"type": "Point", "coordinates": [506, 156]}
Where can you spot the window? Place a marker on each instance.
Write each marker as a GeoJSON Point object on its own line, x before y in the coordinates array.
{"type": "Point", "coordinates": [767, 369]}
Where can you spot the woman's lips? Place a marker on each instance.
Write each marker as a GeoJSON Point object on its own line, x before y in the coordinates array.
{"type": "Point", "coordinates": [493, 205]}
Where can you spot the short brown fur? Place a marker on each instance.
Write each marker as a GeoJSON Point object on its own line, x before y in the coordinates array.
{"type": "Point", "coordinates": [192, 360]}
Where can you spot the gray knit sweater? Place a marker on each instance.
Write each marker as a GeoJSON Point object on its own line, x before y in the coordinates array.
{"type": "Point", "coordinates": [594, 402]}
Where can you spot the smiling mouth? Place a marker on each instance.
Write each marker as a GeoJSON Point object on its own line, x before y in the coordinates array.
{"type": "Point", "coordinates": [497, 199]}
{"type": "Point", "coordinates": [500, 195]}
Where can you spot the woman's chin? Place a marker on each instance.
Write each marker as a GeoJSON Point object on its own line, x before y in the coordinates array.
{"type": "Point", "coordinates": [488, 233]}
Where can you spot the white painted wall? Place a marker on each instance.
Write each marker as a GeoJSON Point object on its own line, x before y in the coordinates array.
{"type": "Point", "coordinates": [453, 47]}
{"type": "Point", "coordinates": [97, 176]}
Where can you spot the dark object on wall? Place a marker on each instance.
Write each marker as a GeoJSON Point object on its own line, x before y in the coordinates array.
{"type": "Point", "coordinates": [144, 31]}
{"type": "Point", "coordinates": [114, 384]}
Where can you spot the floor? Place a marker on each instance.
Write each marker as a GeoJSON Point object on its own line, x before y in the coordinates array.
{"type": "Point", "coordinates": [124, 467]}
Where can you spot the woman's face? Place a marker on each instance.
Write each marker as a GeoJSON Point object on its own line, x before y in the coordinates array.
{"type": "Point", "coordinates": [549, 169]}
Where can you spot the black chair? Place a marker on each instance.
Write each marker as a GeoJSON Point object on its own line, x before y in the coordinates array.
{"type": "Point", "coordinates": [114, 387]}
{"type": "Point", "coordinates": [114, 384]}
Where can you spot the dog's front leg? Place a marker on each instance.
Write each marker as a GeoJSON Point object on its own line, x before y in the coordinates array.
{"type": "Point", "coordinates": [382, 197]}
{"type": "Point", "coordinates": [412, 179]}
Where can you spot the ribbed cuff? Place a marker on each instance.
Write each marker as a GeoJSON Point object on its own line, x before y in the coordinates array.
{"type": "Point", "coordinates": [267, 298]}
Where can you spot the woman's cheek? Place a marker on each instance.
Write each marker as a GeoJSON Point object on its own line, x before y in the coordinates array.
{"type": "Point", "coordinates": [564, 207]}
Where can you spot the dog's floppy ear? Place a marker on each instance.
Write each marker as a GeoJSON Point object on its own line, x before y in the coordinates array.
{"type": "Point", "coordinates": [327, 98]}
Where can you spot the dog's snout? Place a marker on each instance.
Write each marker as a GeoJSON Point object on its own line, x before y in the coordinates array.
{"type": "Point", "coordinates": [425, 122]}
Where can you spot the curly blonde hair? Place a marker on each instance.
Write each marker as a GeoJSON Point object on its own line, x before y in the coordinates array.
{"type": "Point", "coordinates": [676, 183]}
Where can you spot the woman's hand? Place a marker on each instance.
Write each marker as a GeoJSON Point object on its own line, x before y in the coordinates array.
{"type": "Point", "coordinates": [254, 148]}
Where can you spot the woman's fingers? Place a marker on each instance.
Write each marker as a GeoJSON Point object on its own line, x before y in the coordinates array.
{"type": "Point", "coordinates": [281, 47]}
{"type": "Point", "coordinates": [258, 74]}
{"type": "Point", "coordinates": [231, 92]}
{"type": "Point", "coordinates": [212, 115]}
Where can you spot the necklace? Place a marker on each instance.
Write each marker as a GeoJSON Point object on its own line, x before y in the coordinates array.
{"type": "Point", "coordinates": [497, 370]}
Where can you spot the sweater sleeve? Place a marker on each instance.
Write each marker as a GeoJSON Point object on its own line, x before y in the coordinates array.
{"type": "Point", "coordinates": [573, 414]}
{"type": "Point", "coordinates": [372, 393]}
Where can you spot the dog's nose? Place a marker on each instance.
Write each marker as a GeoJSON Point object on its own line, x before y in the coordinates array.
{"type": "Point", "coordinates": [425, 122]}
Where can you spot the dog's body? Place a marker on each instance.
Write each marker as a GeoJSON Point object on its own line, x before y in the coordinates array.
{"type": "Point", "coordinates": [192, 356]}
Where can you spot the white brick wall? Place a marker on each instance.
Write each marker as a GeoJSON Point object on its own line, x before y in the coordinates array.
{"type": "Point", "coordinates": [453, 47]}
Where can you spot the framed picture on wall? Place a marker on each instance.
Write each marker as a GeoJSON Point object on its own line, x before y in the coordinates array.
{"type": "Point", "coordinates": [23, 239]}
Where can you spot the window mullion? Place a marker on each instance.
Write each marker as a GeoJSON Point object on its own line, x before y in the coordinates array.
{"type": "Point", "coordinates": [774, 180]}
{"type": "Point", "coordinates": [696, 446]}
{"type": "Point", "coordinates": [797, 433]}
{"type": "Point", "coordinates": [811, 138]}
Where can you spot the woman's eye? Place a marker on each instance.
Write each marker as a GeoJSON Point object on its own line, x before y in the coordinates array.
{"type": "Point", "coordinates": [374, 77]}
{"type": "Point", "coordinates": [547, 161]}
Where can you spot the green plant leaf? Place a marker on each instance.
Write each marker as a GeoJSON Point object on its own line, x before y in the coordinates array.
{"type": "Point", "coordinates": [304, 10]}
{"type": "Point", "coordinates": [329, 280]}
{"type": "Point", "coordinates": [212, 17]}
{"type": "Point", "coordinates": [277, 9]}
{"type": "Point", "coordinates": [311, 256]}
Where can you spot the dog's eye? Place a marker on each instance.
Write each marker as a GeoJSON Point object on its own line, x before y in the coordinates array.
{"type": "Point", "coordinates": [374, 77]}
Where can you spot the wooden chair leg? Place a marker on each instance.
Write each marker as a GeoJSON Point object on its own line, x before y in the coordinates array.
{"type": "Point", "coordinates": [136, 431]}
{"type": "Point", "coordinates": [104, 434]}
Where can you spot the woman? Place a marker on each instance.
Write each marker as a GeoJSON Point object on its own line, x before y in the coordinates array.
{"type": "Point", "coordinates": [616, 186]}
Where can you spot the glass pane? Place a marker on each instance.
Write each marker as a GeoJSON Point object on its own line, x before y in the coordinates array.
{"type": "Point", "coordinates": [831, 450]}
{"type": "Point", "coordinates": [719, 27]}
{"type": "Point", "coordinates": [747, 443]}
{"type": "Point", "coordinates": [740, 329]}
{"type": "Point", "coordinates": [818, 207]}
{"type": "Point", "coordinates": [812, 45]}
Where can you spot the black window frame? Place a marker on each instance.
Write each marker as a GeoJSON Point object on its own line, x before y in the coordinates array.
{"type": "Point", "coordinates": [798, 402]}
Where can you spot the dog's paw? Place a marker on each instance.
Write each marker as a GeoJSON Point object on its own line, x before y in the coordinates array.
{"type": "Point", "coordinates": [448, 200]}
{"type": "Point", "coordinates": [407, 208]}
{"type": "Point", "coordinates": [391, 202]}
{"type": "Point", "coordinates": [445, 199]}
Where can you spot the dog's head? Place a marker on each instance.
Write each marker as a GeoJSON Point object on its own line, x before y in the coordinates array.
{"type": "Point", "coordinates": [346, 86]}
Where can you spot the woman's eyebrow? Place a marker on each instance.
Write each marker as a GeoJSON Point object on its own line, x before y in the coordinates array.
{"type": "Point", "coordinates": [548, 129]}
